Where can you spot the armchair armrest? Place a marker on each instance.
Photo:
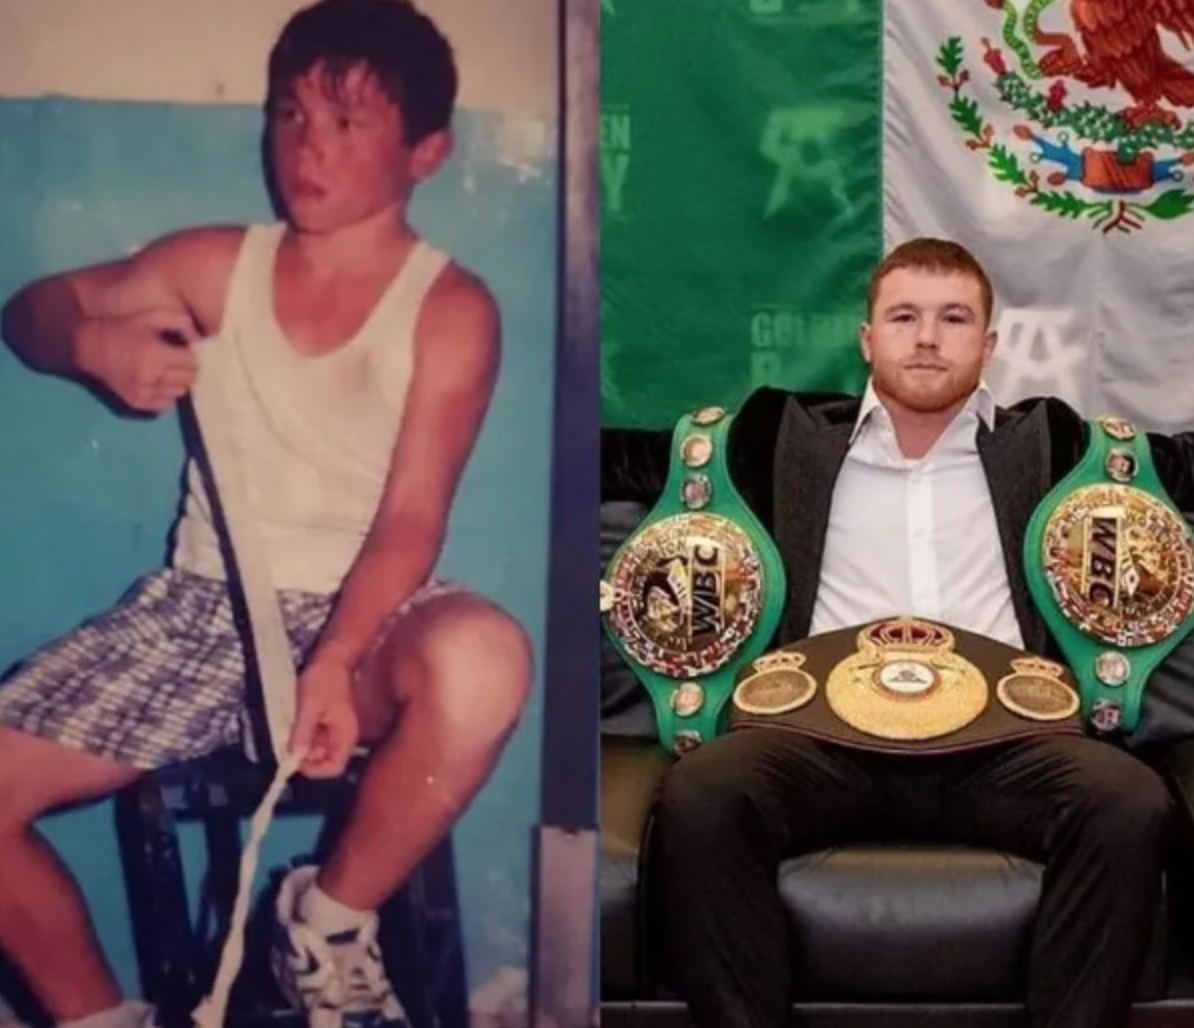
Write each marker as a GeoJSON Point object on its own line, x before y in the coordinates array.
{"type": "Point", "coordinates": [632, 771]}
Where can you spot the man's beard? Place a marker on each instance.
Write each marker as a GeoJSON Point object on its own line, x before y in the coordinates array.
{"type": "Point", "coordinates": [924, 392]}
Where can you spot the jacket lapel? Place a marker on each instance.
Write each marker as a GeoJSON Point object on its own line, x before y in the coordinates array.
{"type": "Point", "coordinates": [1015, 458]}
{"type": "Point", "coordinates": [808, 457]}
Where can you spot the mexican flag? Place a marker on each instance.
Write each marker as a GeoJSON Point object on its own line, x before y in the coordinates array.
{"type": "Point", "coordinates": [760, 156]}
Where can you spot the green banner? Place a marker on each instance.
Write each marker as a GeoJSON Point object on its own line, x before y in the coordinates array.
{"type": "Point", "coordinates": [741, 190]}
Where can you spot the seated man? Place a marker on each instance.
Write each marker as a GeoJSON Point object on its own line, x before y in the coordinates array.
{"type": "Point", "coordinates": [367, 360]}
{"type": "Point", "coordinates": [914, 501]}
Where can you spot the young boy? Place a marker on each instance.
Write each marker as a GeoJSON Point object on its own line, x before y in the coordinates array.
{"type": "Point", "coordinates": [364, 362]}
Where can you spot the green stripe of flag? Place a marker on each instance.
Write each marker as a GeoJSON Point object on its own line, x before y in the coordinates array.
{"type": "Point", "coordinates": [741, 198]}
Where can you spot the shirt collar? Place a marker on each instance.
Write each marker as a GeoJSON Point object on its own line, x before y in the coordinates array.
{"type": "Point", "coordinates": [981, 402]}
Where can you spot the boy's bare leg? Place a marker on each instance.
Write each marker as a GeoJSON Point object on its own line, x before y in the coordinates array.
{"type": "Point", "coordinates": [44, 927]}
{"type": "Point", "coordinates": [458, 669]}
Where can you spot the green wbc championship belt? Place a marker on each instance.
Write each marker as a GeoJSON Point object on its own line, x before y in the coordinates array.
{"type": "Point", "coordinates": [697, 589]}
{"type": "Point", "coordinates": [1109, 563]}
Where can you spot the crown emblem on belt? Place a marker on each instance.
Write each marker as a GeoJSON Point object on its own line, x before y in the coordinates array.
{"type": "Point", "coordinates": [906, 634]}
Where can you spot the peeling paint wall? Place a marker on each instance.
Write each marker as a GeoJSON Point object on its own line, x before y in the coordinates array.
{"type": "Point", "coordinates": [213, 52]}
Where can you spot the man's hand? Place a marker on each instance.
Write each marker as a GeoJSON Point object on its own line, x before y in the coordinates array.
{"type": "Point", "coordinates": [146, 360]}
{"type": "Point", "coordinates": [325, 727]}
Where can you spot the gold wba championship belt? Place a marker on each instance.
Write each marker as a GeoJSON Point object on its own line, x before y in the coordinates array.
{"type": "Point", "coordinates": [906, 685]}
{"type": "Point", "coordinates": [1109, 563]}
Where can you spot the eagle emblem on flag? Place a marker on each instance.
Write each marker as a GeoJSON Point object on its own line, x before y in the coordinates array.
{"type": "Point", "coordinates": [1102, 129]}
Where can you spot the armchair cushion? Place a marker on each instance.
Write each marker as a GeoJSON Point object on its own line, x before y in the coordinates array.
{"type": "Point", "coordinates": [919, 922]}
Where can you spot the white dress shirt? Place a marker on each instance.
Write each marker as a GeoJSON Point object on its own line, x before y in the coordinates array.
{"type": "Point", "coordinates": [915, 537]}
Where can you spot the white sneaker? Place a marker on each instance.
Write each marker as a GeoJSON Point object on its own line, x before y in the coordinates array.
{"type": "Point", "coordinates": [338, 980]}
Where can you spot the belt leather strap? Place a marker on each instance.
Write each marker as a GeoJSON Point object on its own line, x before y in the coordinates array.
{"type": "Point", "coordinates": [270, 642]}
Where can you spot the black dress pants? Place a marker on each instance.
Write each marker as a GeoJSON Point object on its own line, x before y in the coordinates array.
{"type": "Point", "coordinates": [730, 812]}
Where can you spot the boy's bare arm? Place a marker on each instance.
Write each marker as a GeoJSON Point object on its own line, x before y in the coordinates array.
{"type": "Point", "coordinates": [106, 322]}
{"type": "Point", "coordinates": [457, 355]}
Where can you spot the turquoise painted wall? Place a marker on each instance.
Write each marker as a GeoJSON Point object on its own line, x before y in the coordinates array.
{"type": "Point", "coordinates": [86, 498]}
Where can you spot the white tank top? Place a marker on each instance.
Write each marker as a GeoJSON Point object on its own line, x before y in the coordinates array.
{"type": "Point", "coordinates": [314, 434]}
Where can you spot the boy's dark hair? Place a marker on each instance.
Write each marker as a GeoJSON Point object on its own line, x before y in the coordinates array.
{"type": "Point", "coordinates": [401, 46]}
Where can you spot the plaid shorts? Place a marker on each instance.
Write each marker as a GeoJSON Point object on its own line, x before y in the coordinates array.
{"type": "Point", "coordinates": [158, 678]}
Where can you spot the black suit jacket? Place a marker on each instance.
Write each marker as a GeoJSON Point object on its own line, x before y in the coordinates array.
{"type": "Point", "coordinates": [786, 449]}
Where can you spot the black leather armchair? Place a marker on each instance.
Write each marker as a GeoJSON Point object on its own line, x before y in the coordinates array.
{"type": "Point", "coordinates": [891, 933]}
